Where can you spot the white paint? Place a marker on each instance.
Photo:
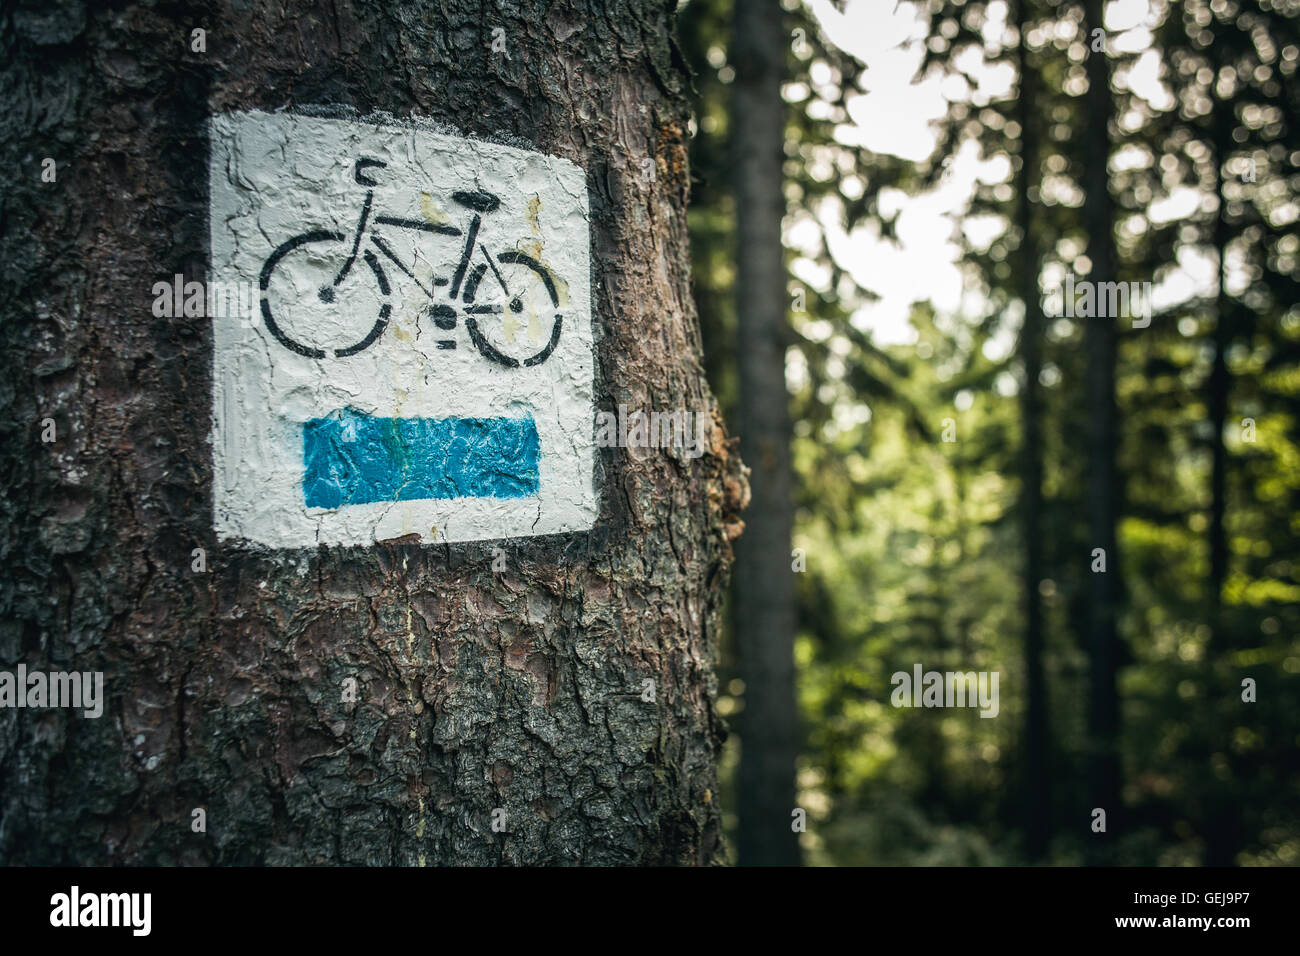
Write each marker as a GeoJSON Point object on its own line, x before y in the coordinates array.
{"type": "Point", "coordinates": [275, 176]}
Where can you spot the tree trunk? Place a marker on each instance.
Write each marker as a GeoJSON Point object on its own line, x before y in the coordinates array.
{"type": "Point", "coordinates": [523, 690]}
{"type": "Point", "coordinates": [1222, 814]}
{"type": "Point", "coordinates": [764, 592]}
{"type": "Point", "coordinates": [1101, 343]}
{"type": "Point", "coordinates": [1219, 386]}
{"type": "Point", "coordinates": [1037, 780]}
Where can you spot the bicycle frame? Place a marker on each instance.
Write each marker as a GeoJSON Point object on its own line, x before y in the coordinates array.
{"type": "Point", "coordinates": [463, 284]}
{"type": "Point", "coordinates": [457, 281]}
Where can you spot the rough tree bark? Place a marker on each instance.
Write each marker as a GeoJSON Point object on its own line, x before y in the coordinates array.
{"type": "Point", "coordinates": [764, 593]}
{"type": "Point", "coordinates": [521, 690]}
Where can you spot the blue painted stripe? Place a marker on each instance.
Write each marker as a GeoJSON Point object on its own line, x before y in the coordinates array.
{"type": "Point", "coordinates": [352, 459]}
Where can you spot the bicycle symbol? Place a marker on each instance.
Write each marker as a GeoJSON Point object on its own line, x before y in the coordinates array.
{"type": "Point", "coordinates": [496, 297]}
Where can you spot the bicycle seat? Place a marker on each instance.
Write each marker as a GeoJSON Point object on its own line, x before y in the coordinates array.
{"type": "Point", "coordinates": [359, 172]}
{"type": "Point", "coordinates": [478, 201]}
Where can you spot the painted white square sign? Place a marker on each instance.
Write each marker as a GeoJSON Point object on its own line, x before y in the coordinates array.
{"type": "Point", "coordinates": [418, 358]}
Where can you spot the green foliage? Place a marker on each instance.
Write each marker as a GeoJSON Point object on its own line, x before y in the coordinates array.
{"type": "Point", "coordinates": [912, 544]}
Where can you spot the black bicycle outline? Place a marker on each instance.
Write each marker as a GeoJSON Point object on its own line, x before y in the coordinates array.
{"type": "Point", "coordinates": [464, 282]}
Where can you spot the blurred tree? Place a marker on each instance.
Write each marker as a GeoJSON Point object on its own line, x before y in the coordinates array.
{"type": "Point", "coordinates": [1037, 733]}
{"type": "Point", "coordinates": [1228, 139]}
{"type": "Point", "coordinates": [1103, 495]}
{"type": "Point", "coordinates": [764, 605]}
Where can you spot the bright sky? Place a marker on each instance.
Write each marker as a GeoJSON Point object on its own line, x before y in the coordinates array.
{"type": "Point", "coordinates": [898, 116]}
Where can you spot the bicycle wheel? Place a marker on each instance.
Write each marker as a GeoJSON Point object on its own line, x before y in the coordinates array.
{"type": "Point", "coordinates": [509, 305]}
{"type": "Point", "coordinates": [307, 312]}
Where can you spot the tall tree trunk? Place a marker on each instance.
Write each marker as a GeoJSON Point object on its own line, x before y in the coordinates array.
{"type": "Point", "coordinates": [1037, 780]}
{"type": "Point", "coordinates": [1101, 340]}
{"type": "Point", "coordinates": [477, 690]}
{"type": "Point", "coordinates": [1223, 815]}
{"type": "Point", "coordinates": [764, 592]}
{"type": "Point", "coordinates": [1217, 398]}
